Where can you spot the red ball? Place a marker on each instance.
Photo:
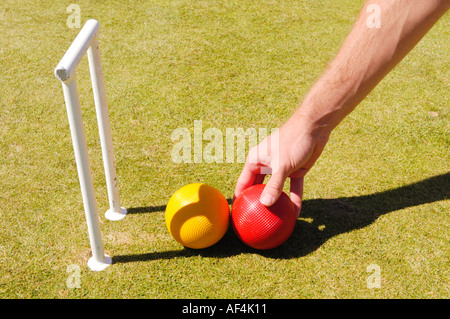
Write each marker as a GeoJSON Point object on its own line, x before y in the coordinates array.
{"type": "Point", "coordinates": [259, 226]}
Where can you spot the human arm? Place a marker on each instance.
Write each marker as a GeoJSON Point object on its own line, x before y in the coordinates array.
{"type": "Point", "coordinates": [366, 56]}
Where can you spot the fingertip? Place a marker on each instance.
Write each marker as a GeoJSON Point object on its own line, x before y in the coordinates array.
{"type": "Point", "coordinates": [238, 190]}
{"type": "Point", "coordinates": [296, 194]}
{"type": "Point", "coordinates": [298, 209]}
{"type": "Point", "coordinates": [297, 202]}
{"type": "Point", "coordinates": [273, 189]}
{"type": "Point", "coordinates": [244, 181]}
{"type": "Point", "coordinates": [267, 200]}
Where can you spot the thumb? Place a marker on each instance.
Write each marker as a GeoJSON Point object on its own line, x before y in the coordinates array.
{"type": "Point", "coordinates": [273, 189]}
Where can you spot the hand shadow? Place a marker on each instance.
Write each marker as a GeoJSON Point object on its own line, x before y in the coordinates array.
{"type": "Point", "coordinates": [320, 220]}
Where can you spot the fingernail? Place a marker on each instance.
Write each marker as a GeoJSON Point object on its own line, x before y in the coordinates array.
{"type": "Point", "coordinates": [266, 200]}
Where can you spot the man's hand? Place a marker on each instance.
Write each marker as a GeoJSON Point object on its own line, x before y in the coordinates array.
{"type": "Point", "coordinates": [289, 152]}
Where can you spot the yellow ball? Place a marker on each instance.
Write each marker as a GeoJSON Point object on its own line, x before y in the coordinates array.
{"type": "Point", "coordinates": [197, 215]}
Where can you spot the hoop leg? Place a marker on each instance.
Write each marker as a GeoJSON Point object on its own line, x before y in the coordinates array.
{"type": "Point", "coordinates": [115, 212]}
{"type": "Point", "coordinates": [99, 260]}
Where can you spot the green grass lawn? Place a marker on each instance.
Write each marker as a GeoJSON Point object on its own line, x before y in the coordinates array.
{"type": "Point", "coordinates": [378, 195]}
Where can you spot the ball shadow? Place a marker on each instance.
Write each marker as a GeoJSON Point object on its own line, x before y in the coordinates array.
{"type": "Point", "coordinates": [320, 220]}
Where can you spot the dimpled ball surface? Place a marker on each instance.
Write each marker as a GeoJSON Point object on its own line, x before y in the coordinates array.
{"type": "Point", "coordinates": [197, 215]}
{"type": "Point", "coordinates": [259, 226]}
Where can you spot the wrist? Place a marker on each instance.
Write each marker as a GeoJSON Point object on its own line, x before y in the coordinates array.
{"type": "Point", "coordinates": [320, 120]}
{"type": "Point", "coordinates": [309, 121]}
{"type": "Point", "coordinates": [330, 100]}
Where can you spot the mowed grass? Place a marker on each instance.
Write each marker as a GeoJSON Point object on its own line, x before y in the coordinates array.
{"type": "Point", "coordinates": [378, 195]}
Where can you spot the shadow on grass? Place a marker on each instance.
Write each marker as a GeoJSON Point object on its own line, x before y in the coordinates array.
{"type": "Point", "coordinates": [326, 219]}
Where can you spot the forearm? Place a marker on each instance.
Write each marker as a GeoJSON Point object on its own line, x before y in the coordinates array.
{"type": "Point", "coordinates": [366, 56]}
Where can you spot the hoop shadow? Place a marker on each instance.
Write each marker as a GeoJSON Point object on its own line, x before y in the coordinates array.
{"type": "Point", "coordinates": [329, 217]}
{"type": "Point", "coordinates": [153, 209]}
